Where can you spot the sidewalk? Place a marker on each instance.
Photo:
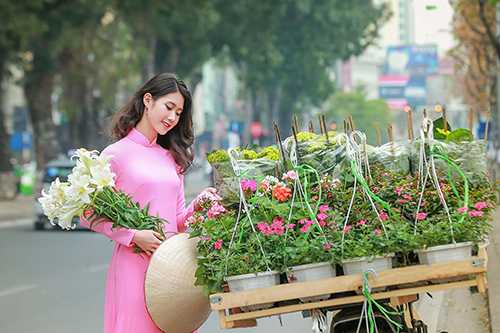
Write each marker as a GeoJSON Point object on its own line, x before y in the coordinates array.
{"type": "Point", "coordinates": [19, 209]}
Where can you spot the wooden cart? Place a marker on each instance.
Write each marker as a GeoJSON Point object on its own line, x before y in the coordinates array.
{"type": "Point", "coordinates": [402, 285]}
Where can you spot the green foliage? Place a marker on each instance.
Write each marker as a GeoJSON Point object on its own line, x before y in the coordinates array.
{"type": "Point", "coordinates": [364, 112]}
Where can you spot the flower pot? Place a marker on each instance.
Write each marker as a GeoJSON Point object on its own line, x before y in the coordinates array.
{"type": "Point", "coordinates": [358, 265]}
{"type": "Point", "coordinates": [443, 253]}
{"type": "Point", "coordinates": [252, 281]}
{"type": "Point", "coordinates": [311, 272]}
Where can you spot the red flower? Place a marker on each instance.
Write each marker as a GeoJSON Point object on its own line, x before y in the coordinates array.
{"type": "Point", "coordinates": [281, 193]}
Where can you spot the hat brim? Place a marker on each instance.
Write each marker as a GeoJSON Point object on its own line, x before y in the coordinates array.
{"type": "Point", "coordinates": [173, 302]}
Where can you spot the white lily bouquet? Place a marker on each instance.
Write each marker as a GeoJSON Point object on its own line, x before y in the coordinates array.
{"type": "Point", "coordinates": [91, 189]}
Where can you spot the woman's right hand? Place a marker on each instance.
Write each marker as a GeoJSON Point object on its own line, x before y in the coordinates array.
{"type": "Point", "coordinates": [147, 240]}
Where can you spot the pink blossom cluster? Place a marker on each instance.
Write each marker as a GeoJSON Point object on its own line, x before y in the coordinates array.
{"type": "Point", "coordinates": [290, 175]}
{"type": "Point", "coordinates": [327, 246]}
{"type": "Point", "coordinates": [276, 228]}
{"type": "Point", "coordinates": [218, 244]}
{"type": "Point", "coordinates": [192, 220]}
{"type": "Point", "coordinates": [215, 210]}
{"type": "Point", "coordinates": [248, 184]}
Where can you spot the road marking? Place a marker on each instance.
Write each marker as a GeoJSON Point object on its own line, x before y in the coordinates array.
{"type": "Point", "coordinates": [17, 290]}
{"type": "Point", "coordinates": [96, 269]}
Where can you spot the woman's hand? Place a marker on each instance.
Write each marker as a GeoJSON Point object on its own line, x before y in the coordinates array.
{"type": "Point", "coordinates": [147, 240]}
{"type": "Point", "coordinates": [212, 192]}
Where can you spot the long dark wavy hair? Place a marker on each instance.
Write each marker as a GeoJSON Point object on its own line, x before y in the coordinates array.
{"type": "Point", "coordinates": [178, 140]}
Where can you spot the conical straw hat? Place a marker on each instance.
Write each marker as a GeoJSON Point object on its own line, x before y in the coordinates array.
{"type": "Point", "coordinates": [172, 300]}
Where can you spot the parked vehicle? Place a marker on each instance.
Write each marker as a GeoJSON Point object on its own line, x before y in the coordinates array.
{"type": "Point", "coordinates": [61, 168]}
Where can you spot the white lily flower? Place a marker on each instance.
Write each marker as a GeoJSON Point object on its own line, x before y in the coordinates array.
{"type": "Point", "coordinates": [50, 205]}
{"type": "Point", "coordinates": [102, 176]}
{"type": "Point", "coordinates": [66, 218]}
{"type": "Point", "coordinates": [57, 190]}
{"type": "Point", "coordinates": [79, 189]}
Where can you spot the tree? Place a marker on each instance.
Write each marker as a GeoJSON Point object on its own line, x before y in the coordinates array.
{"type": "Point", "coordinates": [476, 68]}
{"type": "Point", "coordinates": [16, 24]}
{"type": "Point", "coordinates": [364, 113]}
{"type": "Point", "coordinates": [287, 58]}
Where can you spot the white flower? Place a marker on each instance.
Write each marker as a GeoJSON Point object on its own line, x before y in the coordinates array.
{"type": "Point", "coordinates": [102, 176]}
{"type": "Point", "coordinates": [50, 206]}
{"type": "Point", "coordinates": [272, 179]}
{"type": "Point", "coordinates": [57, 190]}
{"type": "Point", "coordinates": [79, 189]}
{"type": "Point", "coordinates": [66, 218]}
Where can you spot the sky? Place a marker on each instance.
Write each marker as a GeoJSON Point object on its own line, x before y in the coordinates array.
{"type": "Point", "coordinates": [434, 26]}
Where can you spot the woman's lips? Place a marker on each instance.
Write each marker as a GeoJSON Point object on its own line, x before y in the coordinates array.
{"type": "Point", "coordinates": [167, 126]}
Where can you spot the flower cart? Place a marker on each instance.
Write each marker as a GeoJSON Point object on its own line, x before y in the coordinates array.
{"type": "Point", "coordinates": [328, 211]}
{"type": "Point", "coordinates": [402, 285]}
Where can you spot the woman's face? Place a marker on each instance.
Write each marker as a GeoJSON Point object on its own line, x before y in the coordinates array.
{"type": "Point", "coordinates": [163, 113]}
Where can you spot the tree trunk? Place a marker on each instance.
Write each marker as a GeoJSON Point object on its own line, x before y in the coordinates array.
{"type": "Point", "coordinates": [7, 177]}
{"type": "Point", "coordinates": [195, 79]}
{"type": "Point", "coordinates": [249, 107]}
{"type": "Point", "coordinates": [38, 90]}
{"type": "Point", "coordinates": [274, 101]}
{"type": "Point", "coordinates": [148, 68]}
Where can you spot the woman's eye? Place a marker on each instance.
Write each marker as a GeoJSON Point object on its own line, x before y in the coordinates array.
{"type": "Point", "coordinates": [178, 114]}
{"type": "Point", "coordinates": [168, 107]}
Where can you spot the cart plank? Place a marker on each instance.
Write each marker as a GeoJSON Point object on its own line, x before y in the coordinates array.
{"type": "Point", "coordinates": [392, 277]}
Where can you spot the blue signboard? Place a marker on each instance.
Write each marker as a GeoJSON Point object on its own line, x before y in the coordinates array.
{"type": "Point", "coordinates": [20, 141]}
{"type": "Point", "coordinates": [417, 60]}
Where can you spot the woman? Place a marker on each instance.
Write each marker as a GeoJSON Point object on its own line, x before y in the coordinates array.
{"type": "Point", "coordinates": [153, 134]}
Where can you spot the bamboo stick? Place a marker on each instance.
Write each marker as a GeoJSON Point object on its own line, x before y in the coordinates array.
{"type": "Point", "coordinates": [345, 127]}
{"type": "Point", "coordinates": [320, 125]}
{"type": "Point", "coordinates": [486, 132]}
{"type": "Point", "coordinates": [352, 127]}
{"type": "Point", "coordinates": [411, 126]}
{"type": "Point", "coordinates": [425, 113]}
{"type": "Point", "coordinates": [471, 119]}
{"type": "Point", "coordinates": [278, 139]}
{"type": "Point", "coordinates": [444, 118]}
{"type": "Point", "coordinates": [389, 129]}
{"type": "Point", "coordinates": [408, 121]}
{"type": "Point", "coordinates": [311, 126]}
{"type": "Point", "coordinates": [296, 144]}
{"type": "Point", "coordinates": [326, 130]}
{"type": "Point", "coordinates": [378, 133]}
{"type": "Point", "coordinates": [296, 122]}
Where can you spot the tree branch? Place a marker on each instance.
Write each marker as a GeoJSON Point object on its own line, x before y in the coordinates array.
{"type": "Point", "coordinates": [493, 39]}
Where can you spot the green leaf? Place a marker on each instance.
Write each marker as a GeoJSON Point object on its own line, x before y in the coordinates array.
{"type": "Point", "coordinates": [460, 135]}
{"type": "Point", "coordinates": [430, 7]}
{"type": "Point", "coordinates": [439, 123]}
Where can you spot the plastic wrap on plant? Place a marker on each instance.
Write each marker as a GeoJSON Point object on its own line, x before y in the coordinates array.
{"type": "Point", "coordinates": [468, 156]}
{"type": "Point", "coordinates": [394, 156]}
{"type": "Point", "coordinates": [226, 182]}
{"type": "Point", "coordinates": [322, 155]}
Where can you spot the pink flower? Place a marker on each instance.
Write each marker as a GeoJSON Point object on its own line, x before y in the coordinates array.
{"type": "Point", "coordinates": [217, 244]}
{"type": "Point", "coordinates": [480, 205]}
{"type": "Point", "coordinates": [322, 216]}
{"type": "Point", "coordinates": [375, 189]}
{"type": "Point", "coordinates": [407, 196]}
{"type": "Point", "coordinates": [378, 231]}
{"type": "Point", "coordinates": [421, 216]}
{"type": "Point", "coordinates": [305, 228]}
{"type": "Point", "coordinates": [401, 201]}
{"type": "Point", "coordinates": [362, 222]}
{"type": "Point", "coordinates": [207, 238]}
{"type": "Point", "coordinates": [463, 209]}
{"type": "Point", "coordinates": [475, 213]}
{"type": "Point", "coordinates": [398, 190]}
{"type": "Point", "coordinates": [290, 226]}
{"type": "Point", "coordinates": [323, 208]}
{"type": "Point", "coordinates": [383, 216]}
{"type": "Point", "coordinates": [327, 246]}
{"type": "Point", "coordinates": [290, 175]}
{"type": "Point", "coordinates": [215, 210]}
{"type": "Point", "coordinates": [303, 221]}
{"type": "Point", "coordinates": [423, 203]}
{"type": "Point", "coordinates": [346, 229]}
{"type": "Point", "coordinates": [252, 185]}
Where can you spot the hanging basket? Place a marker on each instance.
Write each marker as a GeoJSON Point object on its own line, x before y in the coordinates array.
{"type": "Point", "coordinates": [358, 265]}
{"type": "Point", "coordinates": [444, 253]}
{"type": "Point", "coordinates": [252, 281]}
{"type": "Point", "coordinates": [311, 272]}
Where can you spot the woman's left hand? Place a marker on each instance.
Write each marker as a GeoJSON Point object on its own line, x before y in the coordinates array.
{"type": "Point", "coordinates": [210, 190]}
